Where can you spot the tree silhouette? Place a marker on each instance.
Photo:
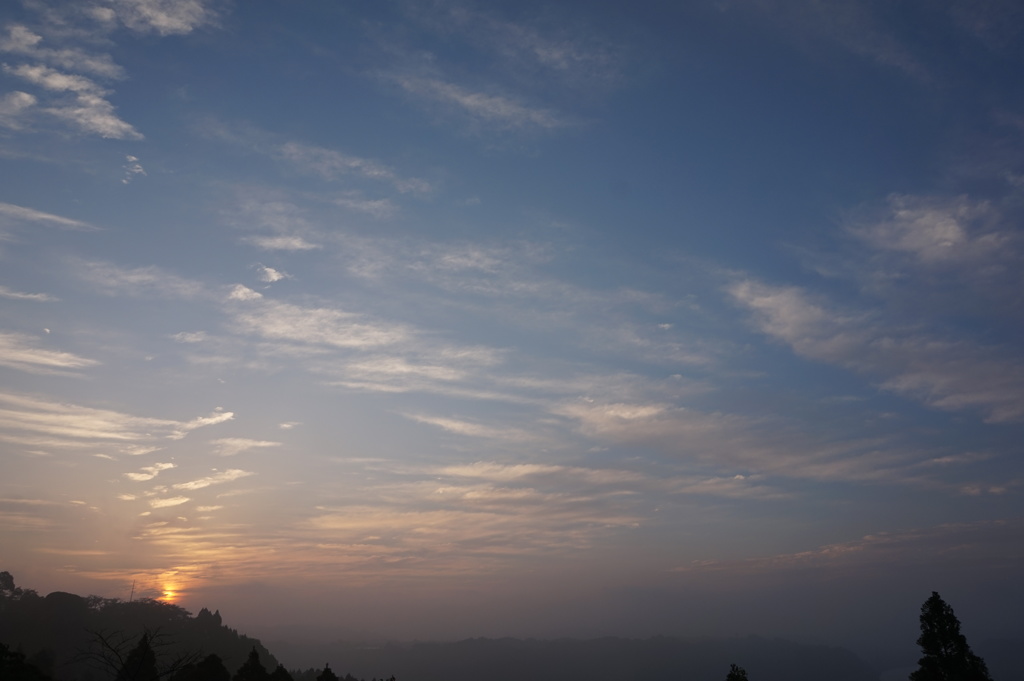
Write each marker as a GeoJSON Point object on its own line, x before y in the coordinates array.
{"type": "Point", "coordinates": [210, 668]}
{"type": "Point", "coordinates": [252, 669]}
{"type": "Point", "coordinates": [327, 674]}
{"type": "Point", "coordinates": [140, 665]}
{"type": "Point", "coordinates": [947, 657]}
{"type": "Point", "coordinates": [280, 674]}
{"type": "Point", "coordinates": [736, 673]}
{"type": "Point", "coordinates": [13, 667]}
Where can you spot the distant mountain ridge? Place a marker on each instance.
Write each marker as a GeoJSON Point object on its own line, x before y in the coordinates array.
{"type": "Point", "coordinates": [604, 659]}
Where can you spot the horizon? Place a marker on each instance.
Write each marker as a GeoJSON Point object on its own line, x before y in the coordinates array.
{"type": "Point", "coordinates": [522, 319]}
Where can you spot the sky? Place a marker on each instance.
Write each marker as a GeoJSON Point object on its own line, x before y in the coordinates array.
{"type": "Point", "coordinates": [446, 318]}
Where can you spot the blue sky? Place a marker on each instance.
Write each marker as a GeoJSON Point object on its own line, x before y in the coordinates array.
{"type": "Point", "coordinates": [566, 318]}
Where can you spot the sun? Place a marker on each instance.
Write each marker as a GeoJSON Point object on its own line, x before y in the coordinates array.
{"type": "Point", "coordinates": [170, 593]}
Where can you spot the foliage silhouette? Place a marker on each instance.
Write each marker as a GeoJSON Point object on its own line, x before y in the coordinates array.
{"type": "Point", "coordinates": [327, 674]}
{"type": "Point", "coordinates": [947, 657]}
{"type": "Point", "coordinates": [14, 667]}
{"type": "Point", "coordinates": [210, 668]}
{"type": "Point", "coordinates": [280, 674]}
{"type": "Point", "coordinates": [140, 664]}
{"type": "Point", "coordinates": [252, 670]}
{"type": "Point", "coordinates": [736, 673]}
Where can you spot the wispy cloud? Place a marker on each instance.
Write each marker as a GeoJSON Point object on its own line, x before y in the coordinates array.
{"type": "Point", "coordinates": [11, 213]}
{"type": "Point", "coordinates": [150, 280]}
{"type": "Point", "coordinates": [282, 243]}
{"type": "Point", "coordinates": [960, 544]}
{"type": "Point", "coordinates": [944, 373]}
{"type": "Point", "coordinates": [216, 479]}
{"type": "Point", "coordinates": [230, 446]}
{"type": "Point", "coordinates": [168, 502]}
{"type": "Point", "coordinates": [19, 295]}
{"type": "Point", "coordinates": [23, 41]}
{"type": "Point", "coordinates": [89, 110]}
{"type": "Point", "coordinates": [38, 422]}
{"type": "Point", "coordinates": [850, 25]}
{"type": "Point", "coordinates": [938, 230]}
{"type": "Point", "coordinates": [477, 430]}
{"type": "Point", "coordinates": [489, 108]}
{"type": "Point", "coordinates": [22, 352]}
{"type": "Point", "coordinates": [13, 108]}
{"type": "Point", "coordinates": [332, 165]}
{"type": "Point", "coordinates": [147, 473]}
{"type": "Point", "coordinates": [320, 326]}
{"type": "Point", "coordinates": [174, 17]}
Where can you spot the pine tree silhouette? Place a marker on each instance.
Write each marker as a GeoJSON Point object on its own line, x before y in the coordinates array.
{"type": "Point", "coordinates": [947, 657]}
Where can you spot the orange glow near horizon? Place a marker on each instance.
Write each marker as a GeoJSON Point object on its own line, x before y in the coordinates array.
{"type": "Point", "coordinates": [170, 594]}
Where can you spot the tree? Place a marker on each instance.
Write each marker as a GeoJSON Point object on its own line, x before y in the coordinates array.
{"type": "Point", "coordinates": [327, 674]}
{"type": "Point", "coordinates": [112, 654]}
{"type": "Point", "coordinates": [252, 669]}
{"type": "Point", "coordinates": [736, 673]}
{"type": "Point", "coordinates": [140, 665]}
{"type": "Point", "coordinates": [210, 668]}
{"type": "Point", "coordinates": [14, 667]}
{"type": "Point", "coordinates": [947, 657]}
{"type": "Point", "coordinates": [280, 674]}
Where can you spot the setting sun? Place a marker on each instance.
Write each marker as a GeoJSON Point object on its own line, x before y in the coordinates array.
{"type": "Point", "coordinates": [169, 593]}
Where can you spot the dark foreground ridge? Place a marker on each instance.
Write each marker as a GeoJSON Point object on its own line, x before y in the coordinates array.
{"type": "Point", "coordinates": [65, 637]}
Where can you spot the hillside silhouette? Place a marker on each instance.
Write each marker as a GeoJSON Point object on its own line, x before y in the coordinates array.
{"type": "Point", "coordinates": [66, 637]}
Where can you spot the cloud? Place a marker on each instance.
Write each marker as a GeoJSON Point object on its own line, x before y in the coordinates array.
{"type": "Point", "coordinates": [190, 336]}
{"type": "Point", "coordinates": [378, 208]}
{"type": "Point", "coordinates": [469, 429]}
{"type": "Point", "coordinates": [213, 419]}
{"type": "Point", "coordinates": [936, 231]}
{"type": "Point", "coordinates": [331, 165]}
{"type": "Point", "coordinates": [37, 422]}
{"type": "Point", "coordinates": [281, 243]}
{"type": "Point", "coordinates": [565, 51]}
{"type": "Point", "coordinates": [216, 479]}
{"type": "Point", "coordinates": [492, 109]}
{"type": "Point", "coordinates": [946, 374]}
{"type": "Point", "coordinates": [22, 40]}
{"type": "Point", "coordinates": [18, 295]}
{"type": "Point", "coordinates": [20, 351]}
{"type": "Point", "coordinates": [980, 543]}
{"type": "Point", "coordinates": [851, 25]}
{"type": "Point", "coordinates": [270, 275]}
{"type": "Point", "coordinates": [90, 111]}
{"type": "Point", "coordinates": [132, 169]}
{"type": "Point", "coordinates": [243, 293]}
{"type": "Point", "coordinates": [735, 444]}
{"type": "Point", "coordinates": [10, 212]}
{"type": "Point", "coordinates": [13, 106]}
{"type": "Point", "coordinates": [149, 472]}
{"type": "Point", "coordinates": [153, 280]}
{"type": "Point", "coordinates": [319, 326]}
{"type": "Point", "coordinates": [165, 17]}
{"type": "Point", "coordinates": [230, 446]}
{"type": "Point", "coordinates": [167, 503]}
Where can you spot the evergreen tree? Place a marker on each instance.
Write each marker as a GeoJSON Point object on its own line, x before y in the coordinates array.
{"type": "Point", "coordinates": [327, 674]}
{"type": "Point", "coordinates": [947, 657]}
{"type": "Point", "coordinates": [211, 668]}
{"type": "Point", "coordinates": [252, 669]}
{"type": "Point", "coordinates": [736, 673]}
{"type": "Point", "coordinates": [140, 665]}
{"type": "Point", "coordinates": [280, 674]}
